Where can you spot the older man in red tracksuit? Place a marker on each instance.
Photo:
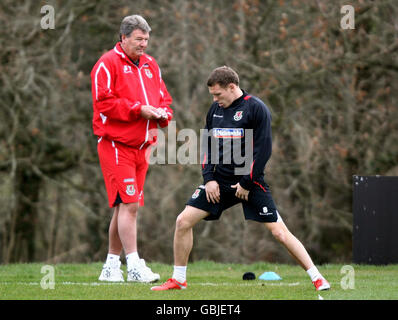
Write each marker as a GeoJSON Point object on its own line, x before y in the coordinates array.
{"type": "Point", "coordinates": [130, 100]}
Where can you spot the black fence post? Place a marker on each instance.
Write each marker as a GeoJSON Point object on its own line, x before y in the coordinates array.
{"type": "Point", "coordinates": [375, 223]}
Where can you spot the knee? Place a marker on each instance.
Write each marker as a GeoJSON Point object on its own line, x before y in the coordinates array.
{"type": "Point", "coordinates": [182, 223]}
{"type": "Point", "coordinates": [280, 234]}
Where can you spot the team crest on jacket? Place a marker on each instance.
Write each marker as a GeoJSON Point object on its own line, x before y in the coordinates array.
{"type": "Point", "coordinates": [238, 115]}
{"type": "Point", "coordinates": [130, 190]}
{"type": "Point", "coordinates": [148, 73]}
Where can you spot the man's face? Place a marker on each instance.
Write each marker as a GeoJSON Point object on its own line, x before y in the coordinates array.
{"type": "Point", "coordinates": [224, 96]}
{"type": "Point", "coordinates": [135, 44]}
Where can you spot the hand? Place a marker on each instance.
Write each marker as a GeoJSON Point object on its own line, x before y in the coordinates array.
{"type": "Point", "coordinates": [163, 114]}
{"type": "Point", "coordinates": [241, 192]}
{"type": "Point", "coordinates": [150, 113]}
{"type": "Point", "coordinates": [212, 191]}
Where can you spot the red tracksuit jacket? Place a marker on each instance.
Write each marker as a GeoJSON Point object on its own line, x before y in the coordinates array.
{"type": "Point", "coordinates": [119, 89]}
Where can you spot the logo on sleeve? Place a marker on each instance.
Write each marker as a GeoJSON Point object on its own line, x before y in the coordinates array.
{"type": "Point", "coordinates": [238, 115]}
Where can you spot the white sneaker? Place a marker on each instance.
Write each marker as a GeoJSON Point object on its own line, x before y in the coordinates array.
{"type": "Point", "coordinates": [111, 272]}
{"type": "Point", "coordinates": [139, 272]}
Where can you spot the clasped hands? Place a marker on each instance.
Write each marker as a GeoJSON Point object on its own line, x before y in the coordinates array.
{"type": "Point", "coordinates": [213, 191]}
{"type": "Point", "coordinates": [152, 113]}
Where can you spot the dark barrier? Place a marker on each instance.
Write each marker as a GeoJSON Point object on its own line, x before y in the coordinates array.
{"type": "Point", "coordinates": [375, 225]}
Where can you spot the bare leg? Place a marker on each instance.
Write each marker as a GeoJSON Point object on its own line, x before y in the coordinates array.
{"type": "Point", "coordinates": [292, 244]}
{"type": "Point", "coordinates": [183, 235]}
{"type": "Point", "coordinates": [127, 226]}
{"type": "Point", "coordinates": [115, 245]}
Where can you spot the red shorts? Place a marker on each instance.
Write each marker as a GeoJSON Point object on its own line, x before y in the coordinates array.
{"type": "Point", "coordinates": [124, 170]}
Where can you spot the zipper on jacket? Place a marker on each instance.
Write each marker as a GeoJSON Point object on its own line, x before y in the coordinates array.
{"type": "Point", "coordinates": [147, 102]}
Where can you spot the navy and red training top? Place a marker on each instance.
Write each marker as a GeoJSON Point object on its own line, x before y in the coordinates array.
{"type": "Point", "coordinates": [237, 142]}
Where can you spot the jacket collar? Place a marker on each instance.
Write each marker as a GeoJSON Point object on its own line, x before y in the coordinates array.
{"type": "Point", "coordinates": [239, 100]}
{"type": "Point", "coordinates": [143, 59]}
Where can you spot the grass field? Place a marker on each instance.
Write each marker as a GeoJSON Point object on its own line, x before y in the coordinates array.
{"type": "Point", "coordinates": [206, 281]}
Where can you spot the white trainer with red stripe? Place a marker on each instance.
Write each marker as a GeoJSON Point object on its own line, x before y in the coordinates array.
{"type": "Point", "coordinates": [321, 284]}
{"type": "Point", "coordinates": [170, 284]}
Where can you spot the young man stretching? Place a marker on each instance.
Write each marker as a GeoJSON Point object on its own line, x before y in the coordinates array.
{"type": "Point", "coordinates": [234, 116]}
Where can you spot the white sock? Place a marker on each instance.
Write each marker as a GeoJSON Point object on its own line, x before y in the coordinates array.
{"type": "Point", "coordinates": [180, 273]}
{"type": "Point", "coordinates": [314, 273]}
{"type": "Point", "coordinates": [131, 258]}
{"type": "Point", "coordinates": [112, 259]}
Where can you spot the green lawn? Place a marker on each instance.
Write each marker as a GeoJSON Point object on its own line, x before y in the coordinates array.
{"type": "Point", "coordinates": [206, 281]}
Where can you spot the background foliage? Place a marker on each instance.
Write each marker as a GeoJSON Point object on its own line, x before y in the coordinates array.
{"type": "Point", "coordinates": [332, 93]}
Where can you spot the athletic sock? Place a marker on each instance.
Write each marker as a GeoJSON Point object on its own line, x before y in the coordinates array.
{"type": "Point", "coordinates": [314, 273]}
{"type": "Point", "coordinates": [180, 273]}
{"type": "Point", "coordinates": [112, 259]}
{"type": "Point", "coordinates": [131, 258]}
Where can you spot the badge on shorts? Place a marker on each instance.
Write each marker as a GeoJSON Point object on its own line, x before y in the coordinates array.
{"type": "Point", "coordinates": [130, 190]}
{"type": "Point", "coordinates": [238, 115]}
{"type": "Point", "coordinates": [196, 194]}
{"type": "Point", "coordinates": [265, 212]}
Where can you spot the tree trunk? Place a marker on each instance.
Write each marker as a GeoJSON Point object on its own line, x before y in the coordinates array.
{"type": "Point", "coordinates": [27, 188]}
